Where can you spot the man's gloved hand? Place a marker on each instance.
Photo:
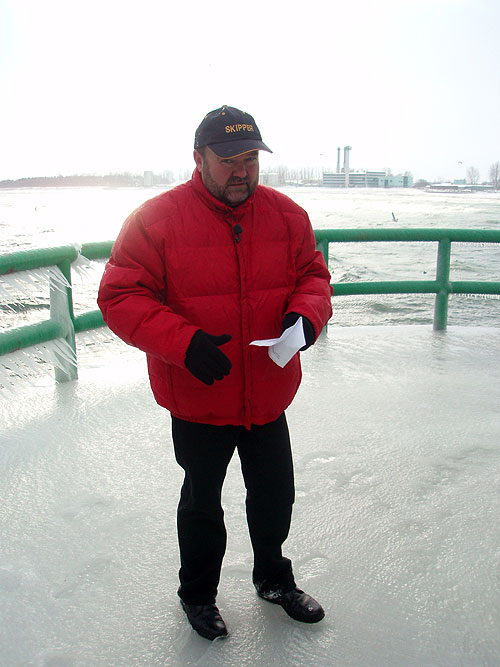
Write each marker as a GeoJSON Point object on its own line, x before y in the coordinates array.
{"type": "Point", "coordinates": [204, 359]}
{"type": "Point", "coordinates": [309, 333]}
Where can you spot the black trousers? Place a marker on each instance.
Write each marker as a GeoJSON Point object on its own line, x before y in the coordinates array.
{"type": "Point", "coordinates": [204, 452]}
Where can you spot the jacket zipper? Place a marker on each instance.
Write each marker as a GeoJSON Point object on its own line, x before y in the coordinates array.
{"type": "Point", "coordinates": [237, 232]}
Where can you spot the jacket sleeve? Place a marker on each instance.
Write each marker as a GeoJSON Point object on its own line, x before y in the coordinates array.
{"type": "Point", "coordinates": [313, 292]}
{"type": "Point", "coordinates": [132, 296]}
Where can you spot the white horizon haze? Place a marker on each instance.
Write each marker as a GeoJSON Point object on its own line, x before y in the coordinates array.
{"type": "Point", "coordinates": [103, 87]}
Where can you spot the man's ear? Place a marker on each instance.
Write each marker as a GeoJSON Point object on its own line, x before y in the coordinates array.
{"type": "Point", "coordinates": [198, 158]}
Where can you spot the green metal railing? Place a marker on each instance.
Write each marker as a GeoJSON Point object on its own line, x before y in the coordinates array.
{"type": "Point", "coordinates": [63, 324]}
{"type": "Point", "coordinates": [442, 287]}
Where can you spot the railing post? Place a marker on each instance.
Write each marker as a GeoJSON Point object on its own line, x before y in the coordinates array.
{"type": "Point", "coordinates": [323, 246]}
{"type": "Point", "coordinates": [443, 280]}
{"type": "Point", "coordinates": [61, 310]}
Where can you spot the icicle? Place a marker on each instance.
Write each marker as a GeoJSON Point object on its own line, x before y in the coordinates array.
{"type": "Point", "coordinates": [15, 287]}
{"type": "Point", "coordinates": [57, 278]}
{"type": "Point", "coordinates": [97, 336]}
{"type": "Point", "coordinates": [24, 365]}
{"type": "Point", "coordinates": [85, 269]}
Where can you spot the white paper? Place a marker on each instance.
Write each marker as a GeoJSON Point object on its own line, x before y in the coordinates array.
{"type": "Point", "coordinates": [282, 349]}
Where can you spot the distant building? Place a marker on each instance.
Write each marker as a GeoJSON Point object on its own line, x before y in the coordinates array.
{"type": "Point", "coordinates": [459, 187]}
{"type": "Point", "coordinates": [148, 179]}
{"type": "Point", "coordinates": [270, 178]}
{"type": "Point", "coordinates": [346, 178]}
{"type": "Point", "coordinates": [366, 179]}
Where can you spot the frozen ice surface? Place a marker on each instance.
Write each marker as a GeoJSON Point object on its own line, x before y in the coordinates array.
{"type": "Point", "coordinates": [396, 434]}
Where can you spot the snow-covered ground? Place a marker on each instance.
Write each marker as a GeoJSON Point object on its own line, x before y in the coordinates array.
{"type": "Point", "coordinates": [396, 434]}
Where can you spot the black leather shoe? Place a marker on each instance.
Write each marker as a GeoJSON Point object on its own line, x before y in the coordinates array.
{"type": "Point", "coordinates": [205, 619]}
{"type": "Point", "coordinates": [297, 604]}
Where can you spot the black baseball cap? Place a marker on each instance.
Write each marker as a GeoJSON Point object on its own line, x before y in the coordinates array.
{"type": "Point", "coordinates": [229, 132]}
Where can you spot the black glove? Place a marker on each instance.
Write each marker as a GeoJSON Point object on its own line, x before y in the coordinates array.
{"type": "Point", "coordinates": [204, 359]}
{"type": "Point", "coordinates": [309, 333]}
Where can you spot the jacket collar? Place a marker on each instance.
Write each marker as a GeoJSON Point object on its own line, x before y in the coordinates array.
{"type": "Point", "coordinates": [214, 203]}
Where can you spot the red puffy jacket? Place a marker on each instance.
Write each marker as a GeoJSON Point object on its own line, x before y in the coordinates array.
{"type": "Point", "coordinates": [177, 267]}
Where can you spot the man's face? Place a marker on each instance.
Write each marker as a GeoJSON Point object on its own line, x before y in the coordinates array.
{"type": "Point", "coordinates": [231, 180]}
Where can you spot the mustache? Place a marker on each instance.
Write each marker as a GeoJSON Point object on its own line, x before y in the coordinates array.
{"type": "Point", "coordinates": [237, 181]}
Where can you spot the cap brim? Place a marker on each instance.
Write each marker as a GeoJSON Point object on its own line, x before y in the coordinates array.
{"type": "Point", "coordinates": [235, 148]}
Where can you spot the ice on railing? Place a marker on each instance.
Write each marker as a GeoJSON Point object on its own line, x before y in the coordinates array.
{"type": "Point", "coordinates": [85, 269]}
{"type": "Point", "coordinates": [16, 286]}
{"type": "Point", "coordinates": [30, 363]}
{"type": "Point", "coordinates": [92, 337]}
{"type": "Point", "coordinates": [23, 289]}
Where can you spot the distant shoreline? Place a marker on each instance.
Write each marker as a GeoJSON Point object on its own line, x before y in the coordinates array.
{"type": "Point", "coordinates": [115, 180]}
{"type": "Point", "coordinates": [128, 180]}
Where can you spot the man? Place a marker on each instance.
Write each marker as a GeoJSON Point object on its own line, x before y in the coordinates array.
{"type": "Point", "coordinates": [195, 275]}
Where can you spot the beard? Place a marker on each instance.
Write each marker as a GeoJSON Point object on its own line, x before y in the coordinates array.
{"type": "Point", "coordinates": [234, 192]}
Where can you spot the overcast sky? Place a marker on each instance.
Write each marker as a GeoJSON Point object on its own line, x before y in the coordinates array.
{"type": "Point", "coordinates": [100, 86]}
